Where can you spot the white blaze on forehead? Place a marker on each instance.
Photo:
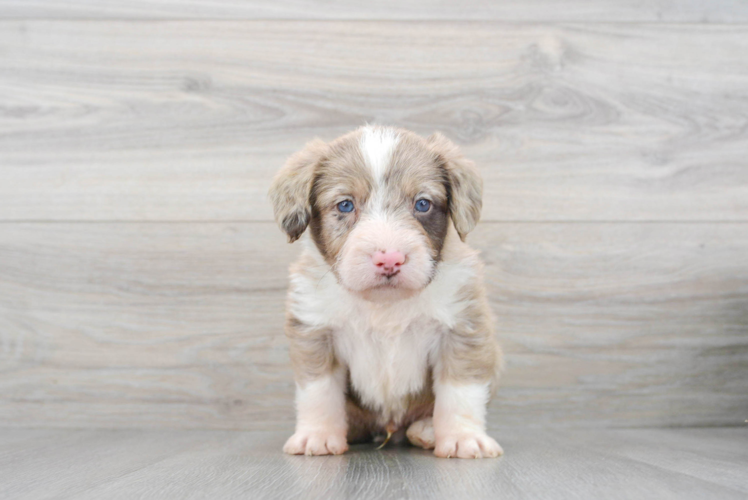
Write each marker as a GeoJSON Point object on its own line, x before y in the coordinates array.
{"type": "Point", "coordinates": [377, 145]}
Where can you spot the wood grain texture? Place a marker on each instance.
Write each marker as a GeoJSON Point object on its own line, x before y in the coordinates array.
{"type": "Point", "coordinates": [178, 325]}
{"type": "Point", "coordinates": [694, 11]}
{"type": "Point", "coordinates": [698, 464]}
{"type": "Point", "coordinates": [190, 120]}
{"type": "Point", "coordinates": [43, 464]}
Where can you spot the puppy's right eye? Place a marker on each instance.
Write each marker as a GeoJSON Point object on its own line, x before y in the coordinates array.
{"type": "Point", "coordinates": [345, 206]}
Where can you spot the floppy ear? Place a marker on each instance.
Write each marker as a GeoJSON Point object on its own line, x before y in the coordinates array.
{"type": "Point", "coordinates": [291, 187]}
{"type": "Point", "coordinates": [465, 184]}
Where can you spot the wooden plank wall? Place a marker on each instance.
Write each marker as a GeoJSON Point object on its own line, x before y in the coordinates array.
{"type": "Point", "coordinates": [142, 278]}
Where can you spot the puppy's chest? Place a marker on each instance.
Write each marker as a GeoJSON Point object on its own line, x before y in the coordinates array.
{"type": "Point", "coordinates": [387, 363]}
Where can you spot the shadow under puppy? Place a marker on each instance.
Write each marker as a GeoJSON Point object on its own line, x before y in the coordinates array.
{"type": "Point", "coordinates": [387, 317]}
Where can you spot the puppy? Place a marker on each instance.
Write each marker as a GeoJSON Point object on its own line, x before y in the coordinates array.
{"type": "Point", "coordinates": [387, 318]}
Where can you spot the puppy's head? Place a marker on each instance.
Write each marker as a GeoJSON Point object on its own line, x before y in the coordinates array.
{"type": "Point", "coordinates": [379, 202]}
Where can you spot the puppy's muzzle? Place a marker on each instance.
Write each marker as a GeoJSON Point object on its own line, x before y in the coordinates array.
{"type": "Point", "coordinates": [388, 263]}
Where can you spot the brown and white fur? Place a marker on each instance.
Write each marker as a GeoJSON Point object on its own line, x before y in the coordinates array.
{"type": "Point", "coordinates": [403, 343]}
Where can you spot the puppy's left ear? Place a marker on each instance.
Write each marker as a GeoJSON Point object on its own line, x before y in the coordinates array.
{"type": "Point", "coordinates": [291, 187]}
{"type": "Point", "coordinates": [465, 184]}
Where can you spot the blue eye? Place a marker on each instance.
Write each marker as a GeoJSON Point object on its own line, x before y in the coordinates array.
{"type": "Point", "coordinates": [345, 206]}
{"type": "Point", "coordinates": [423, 205]}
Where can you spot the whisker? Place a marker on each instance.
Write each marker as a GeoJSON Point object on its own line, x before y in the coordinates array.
{"type": "Point", "coordinates": [320, 280]}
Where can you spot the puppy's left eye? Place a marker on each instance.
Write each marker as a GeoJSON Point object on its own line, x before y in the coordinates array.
{"type": "Point", "coordinates": [423, 205]}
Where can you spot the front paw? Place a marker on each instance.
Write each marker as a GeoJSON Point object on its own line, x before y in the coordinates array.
{"type": "Point", "coordinates": [316, 442]}
{"type": "Point", "coordinates": [467, 445]}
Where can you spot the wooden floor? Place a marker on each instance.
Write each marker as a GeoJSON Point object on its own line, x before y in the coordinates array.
{"type": "Point", "coordinates": [612, 464]}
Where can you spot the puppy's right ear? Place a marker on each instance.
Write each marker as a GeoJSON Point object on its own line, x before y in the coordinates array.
{"type": "Point", "coordinates": [291, 187]}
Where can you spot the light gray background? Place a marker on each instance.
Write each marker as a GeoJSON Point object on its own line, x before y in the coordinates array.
{"type": "Point", "coordinates": [142, 278]}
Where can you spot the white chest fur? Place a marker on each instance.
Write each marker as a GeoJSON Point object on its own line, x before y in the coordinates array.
{"type": "Point", "coordinates": [388, 348]}
{"type": "Point", "coordinates": [387, 361]}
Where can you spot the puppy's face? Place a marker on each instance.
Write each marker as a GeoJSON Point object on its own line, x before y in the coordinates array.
{"type": "Point", "coordinates": [379, 202]}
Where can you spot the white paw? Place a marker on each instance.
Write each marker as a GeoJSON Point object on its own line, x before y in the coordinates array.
{"type": "Point", "coordinates": [421, 433]}
{"type": "Point", "coordinates": [316, 442]}
{"type": "Point", "coordinates": [467, 445]}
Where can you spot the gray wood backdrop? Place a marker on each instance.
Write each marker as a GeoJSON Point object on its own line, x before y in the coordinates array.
{"type": "Point", "coordinates": [142, 278]}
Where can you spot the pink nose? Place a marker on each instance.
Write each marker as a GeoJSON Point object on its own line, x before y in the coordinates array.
{"type": "Point", "coordinates": [388, 262]}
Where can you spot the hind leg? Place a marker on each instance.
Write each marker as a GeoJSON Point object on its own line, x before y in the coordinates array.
{"type": "Point", "coordinates": [361, 423]}
{"type": "Point", "coordinates": [421, 433]}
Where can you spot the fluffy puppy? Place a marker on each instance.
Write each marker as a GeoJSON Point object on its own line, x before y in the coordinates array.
{"type": "Point", "coordinates": [387, 318]}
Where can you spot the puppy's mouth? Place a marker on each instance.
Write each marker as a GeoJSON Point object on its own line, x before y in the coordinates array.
{"type": "Point", "coordinates": [390, 279]}
{"type": "Point", "coordinates": [390, 284]}
{"type": "Point", "coordinates": [392, 287]}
